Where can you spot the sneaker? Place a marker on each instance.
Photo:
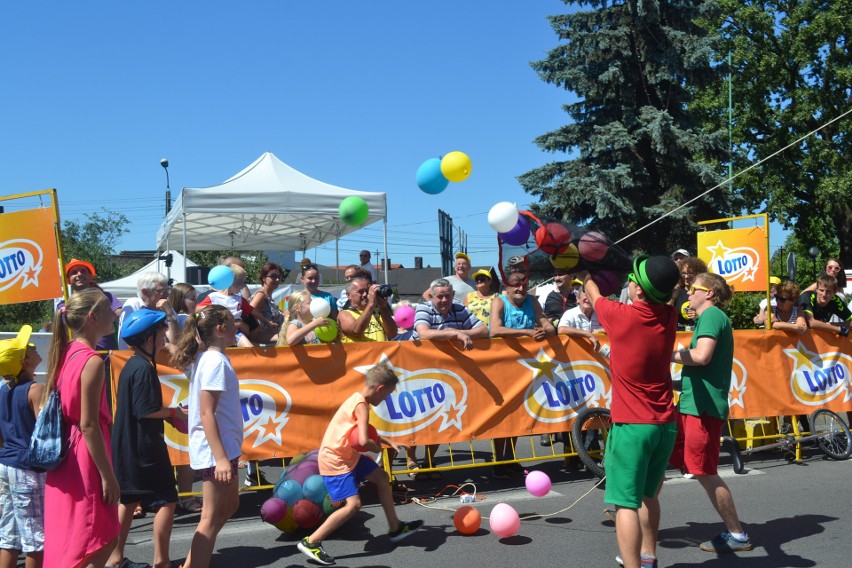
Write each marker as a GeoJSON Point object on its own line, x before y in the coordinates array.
{"type": "Point", "coordinates": [314, 551]}
{"type": "Point", "coordinates": [644, 561]}
{"type": "Point", "coordinates": [515, 469]}
{"type": "Point", "coordinates": [405, 530]}
{"type": "Point", "coordinates": [726, 542]}
{"type": "Point", "coordinates": [256, 479]}
{"type": "Point", "coordinates": [545, 440]}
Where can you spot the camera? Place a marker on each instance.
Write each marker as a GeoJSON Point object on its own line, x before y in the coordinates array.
{"type": "Point", "coordinates": [385, 290]}
{"type": "Point", "coordinates": [843, 332]}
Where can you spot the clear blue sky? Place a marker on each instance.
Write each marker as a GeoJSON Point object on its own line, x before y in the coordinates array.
{"type": "Point", "coordinates": [356, 94]}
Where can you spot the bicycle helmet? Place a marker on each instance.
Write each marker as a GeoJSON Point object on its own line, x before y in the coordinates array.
{"type": "Point", "coordinates": [141, 324]}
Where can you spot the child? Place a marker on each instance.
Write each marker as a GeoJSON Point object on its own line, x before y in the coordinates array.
{"type": "Point", "coordinates": [81, 495]}
{"type": "Point", "coordinates": [21, 486]}
{"type": "Point", "coordinates": [343, 468]}
{"type": "Point", "coordinates": [140, 456]}
{"type": "Point", "coordinates": [215, 423]}
{"type": "Point", "coordinates": [236, 304]}
{"type": "Point", "coordinates": [300, 325]}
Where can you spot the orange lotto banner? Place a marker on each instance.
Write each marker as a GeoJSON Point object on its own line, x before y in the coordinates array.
{"type": "Point", "coordinates": [29, 263]}
{"type": "Point", "coordinates": [500, 388]}
{"type": "Point", "coordinates": [738, 255]}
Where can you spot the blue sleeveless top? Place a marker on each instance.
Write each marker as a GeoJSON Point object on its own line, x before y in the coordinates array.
{"type": "Point", "coordinates": [16, 424]}
{"type": "Point", "coordinates": [518, 318]}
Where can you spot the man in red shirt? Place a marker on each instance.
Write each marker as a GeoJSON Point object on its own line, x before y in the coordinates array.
{"type": "Point", "coordinates": [642, 336]}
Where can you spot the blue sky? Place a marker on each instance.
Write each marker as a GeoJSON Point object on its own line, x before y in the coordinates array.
{"type": "Point", "coordinates": [356, 94]}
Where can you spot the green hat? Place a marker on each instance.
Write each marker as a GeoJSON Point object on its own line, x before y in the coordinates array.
{"type": "Point", "coordinates": [657, 276]}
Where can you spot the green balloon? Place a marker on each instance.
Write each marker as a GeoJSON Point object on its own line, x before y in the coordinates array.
{"type": "Point", "coordinates": [327, 331]}
{"type": "Point", "coordinates": [353, 211]}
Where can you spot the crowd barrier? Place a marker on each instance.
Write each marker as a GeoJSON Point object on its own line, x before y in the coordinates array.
{"type": "Point", "coordinates": [500, 388]}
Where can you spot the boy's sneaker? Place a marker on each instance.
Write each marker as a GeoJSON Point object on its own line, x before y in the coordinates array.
{"type": "Point", "coordinates": [314, 551]}
{"type": "Point", "coordinates": [726, 542]}
{"type": "Point", "coordinates": [405, 530]}
{"type": "Point", "coordinates": [256, 478]}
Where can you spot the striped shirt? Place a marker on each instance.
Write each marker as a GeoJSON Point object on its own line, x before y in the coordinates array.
{"type": "Point", "coordinates": [459, 317]}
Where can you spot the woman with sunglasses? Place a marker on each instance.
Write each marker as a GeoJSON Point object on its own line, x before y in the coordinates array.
{"type": "Point", "coordinates": [690, 267]}
{"type": "Point", "coordinates": [478, 302]}
{"type": "Point", "coordinates": [270, 279]}
{"type": "Point", "coordinates": [760, 318]}
{"type": "Point", "coordinates": [787, 313]}
{"type": "Point", "coordinates": [833, 267]}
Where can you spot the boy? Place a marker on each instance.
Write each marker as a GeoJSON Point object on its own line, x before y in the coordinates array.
{"type": "Point", "coordinates": [343, 468]}
{"type": "Point", "coordinates": [238, 306]}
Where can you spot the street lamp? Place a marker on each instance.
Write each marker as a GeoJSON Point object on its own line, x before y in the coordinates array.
{"type": "Point", "coordinates": [814, 253]}
{"type": "Point", "coordinates": [165, 163]}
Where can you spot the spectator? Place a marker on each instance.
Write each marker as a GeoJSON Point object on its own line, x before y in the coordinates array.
{"type": "Point", "coordinates": [81, 495]}
{"type": "Point", "coordinates": [478, 302]}
{"type": "Point", "coordinates": [348, 274]}
{"type": "Point", "coordinates": [311, 281]}
{"type": "Point", "coordinates": [833, 267]}
{"type": "Point", "coordinates": [515, 314]}
{"type": "Point", "coordinates": [262, 303]}
{"type": "Point", "coordinates": [300, 325]}
{"type": "Point", "coordinates": [231, 299]}
{"type": "Point", "coordinates": [228, 261]}
{"type": "Point", "coordinates": [582, 321]}
{"type": "Point", "coordinates": [442, 319]}
{"type": "Point", "coordinates": [679, 256]}
{"type": "Point", "coordinates": [562, 298]}
{"type": "Point", "coordinates": [787, 313]}
{"type": "Point", "coordinates": [760, 318]}
{"type": "Point", "coordinates": [460, 280]}
{"type": "Point", "coordinates": [81, 276]}
{"type": "Point", "coordinates": [21, 486]}
{"type": "Point", "coordinates": [689, 268]}
{"type": "Point", "coordinates": [152, 293]}
{"type": "Point", "coordinates": [821, 304]}
{"type": "Point", "coordinates": [369, 317]}
{"type": "Point", "coordinates": [367, 266]}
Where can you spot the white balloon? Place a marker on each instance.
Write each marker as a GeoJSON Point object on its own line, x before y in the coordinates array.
{"type": "Point", "coordinates": [320, 308]}
{"type": "Point", "coordinates": [503, 217]}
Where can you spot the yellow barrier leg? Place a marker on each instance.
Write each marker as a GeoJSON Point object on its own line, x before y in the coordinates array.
{"type": "Point", "coordinates": [749, 427]}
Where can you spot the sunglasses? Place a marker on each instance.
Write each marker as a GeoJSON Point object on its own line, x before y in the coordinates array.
{"type": "Point", "coordinates": [307, 267]}
{"type": "Point", "coordinates": [695, 287]}
{"type": "Point", "coordinates": [779, 298]}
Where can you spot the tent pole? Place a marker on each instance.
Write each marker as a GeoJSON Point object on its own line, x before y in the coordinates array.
{"type": "Point", "coordinates": [184, 245]}
{"type": "Point", "coordinates": [337, 257]}
{"type": "Point", "coordinates": [387, 260]}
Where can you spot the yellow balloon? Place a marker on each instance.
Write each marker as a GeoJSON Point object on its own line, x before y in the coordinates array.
{"type": "Point", "coordinates": [288, 524]}
{"type": "Point", "coordinates": [456, 166]}
{"type": "Point", "coordinates": [567, 259]}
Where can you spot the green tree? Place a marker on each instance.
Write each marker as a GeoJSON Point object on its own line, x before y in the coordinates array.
{"type": "Point", "coordinates": [791, 65]}
{"type": "Point", "coordinates": [633, 151]}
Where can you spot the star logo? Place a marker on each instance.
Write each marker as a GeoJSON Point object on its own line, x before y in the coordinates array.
{"type": "Point", "coordinates": [543, 366]}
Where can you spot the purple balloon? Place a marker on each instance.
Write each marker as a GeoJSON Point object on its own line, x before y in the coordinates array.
{"type": "Point", "coordinates": [520, 233]}
{"type": "Point", "coordinates": [608, 282]}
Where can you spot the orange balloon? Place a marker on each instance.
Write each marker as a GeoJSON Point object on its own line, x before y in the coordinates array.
{"type": "Point", "coordinates": [467, 520]}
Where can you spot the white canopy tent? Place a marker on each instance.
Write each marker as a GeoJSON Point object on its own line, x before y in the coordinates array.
{"type": "Point", "coordinates": [125, 288]}
{"type": "Point", "coordinates": [267, 206]}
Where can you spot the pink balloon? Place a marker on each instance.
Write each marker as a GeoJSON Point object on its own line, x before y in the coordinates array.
{"type": "Point", "coordinates": [608, 282]}
{"type": "Point", "coordinates": [404, 317]}
{"type": "Point", "coordinates": [273, 510]}
{"type": "Point", "coordinates": [593, 246]}
{"type": "Point", "coordinates": [538, 483]}
{"type": "Point", "coordinates": [504, 520]}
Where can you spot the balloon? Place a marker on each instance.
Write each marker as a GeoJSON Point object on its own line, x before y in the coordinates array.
{"type": "Point", "coordinates": [455, 166]}
{"type": "Point", "coordinates": [567, 259]}
{"type": "Point", "coordinates": [290, 491]}
{"type": "Point", "coordinates": [220, 277]}
{"type": "Point", "coordinates": [320, 308]}
{"type": "Point", "coordinates": [429, 177]}
{"type": "Point", "coordinates": [307, 514]}
{"type": "Point", "coordinates": [353, 211]}
{"type": "Point", "coordinates": [538, 483]}
{"type": "Point", "coordinates": [329, 506]}
{"type": "Point", "coordinates": [520, 233]}
{"type": "Point", "coordinates": [327, 332]}
{"type": "Point", "coordinates": [608, 282]}
{"type": "Point", "coordinates": [273, 510]}
{"type": "Point", "coordinates": [503, 217]}
{"type": "Point", "coordinates": [354, 439]}
{"type": "Point", "coordinates": [552, 238]}
{"type": "Point", "coordinates": [302, 472]}
{"type": "Point", "coordinates": [404, 317]}
{"type": "Point", "coordinates": [288, 524]}
{"type": "Point", "coordinates": [467, 520]}
{"type": "Point", "coordinates": [593, 246]}
{"type": "Point", "coordinates": [314, 489]}
{"type": "Point", "coordinates": [504, 520]}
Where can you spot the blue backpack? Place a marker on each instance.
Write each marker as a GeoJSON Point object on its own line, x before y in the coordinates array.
{"type": "Point", "coordinates": [49, 445]}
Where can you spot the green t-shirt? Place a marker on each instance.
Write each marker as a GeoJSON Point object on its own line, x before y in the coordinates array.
{"type": "Point", "coordinates": [705, 388]}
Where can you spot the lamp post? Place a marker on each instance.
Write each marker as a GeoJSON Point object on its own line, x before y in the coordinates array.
{"type": "Point", "coordinates": [165, 163]}
{"type": "Point", "coordinates": [814, 253]}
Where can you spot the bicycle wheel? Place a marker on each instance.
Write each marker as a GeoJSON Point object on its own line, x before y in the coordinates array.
{"type": "Point", "coordinates": [834, 440]}
{"type": "Point", "coordinates": [589, 434]}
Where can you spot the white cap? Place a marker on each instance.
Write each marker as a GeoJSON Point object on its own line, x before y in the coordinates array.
{"type": "Point", "coordinates": [682, 252]}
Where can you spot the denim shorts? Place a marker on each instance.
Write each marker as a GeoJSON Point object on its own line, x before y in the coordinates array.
{"type": "Point", "coordinates": [209, 473]}
{"type": "Point", "coordinates": [22, 503]}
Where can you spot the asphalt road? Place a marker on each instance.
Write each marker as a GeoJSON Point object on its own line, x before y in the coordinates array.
{"type": "Point", "coordinates": [797, 515]}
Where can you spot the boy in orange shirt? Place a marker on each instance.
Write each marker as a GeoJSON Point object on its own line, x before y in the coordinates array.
{"type": "Point", "coordinates": [343, 468]}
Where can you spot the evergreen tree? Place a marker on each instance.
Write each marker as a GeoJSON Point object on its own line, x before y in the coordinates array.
{"type": "Point", "coordinates": [632, 151]}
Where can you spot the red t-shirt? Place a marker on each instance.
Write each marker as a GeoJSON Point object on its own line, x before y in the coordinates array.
{"type": "Point", "coordinates": [642, 337]}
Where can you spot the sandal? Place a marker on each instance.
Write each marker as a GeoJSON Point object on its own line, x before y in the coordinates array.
{"type": "Point", "coordinates": [415, 474]}
{"type": "Point", "coordinates": [190, 505]}
{"type": "Point", "coordinates": [139, 513]}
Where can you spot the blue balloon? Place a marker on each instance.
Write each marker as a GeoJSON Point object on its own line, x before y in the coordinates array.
{"type": "Point", "coordinates": [429, 177]}
{"type": "Point", "coordinates": [520, 233]}
{"type": "Point", "coordinates": [314, 489]}
{"type": "Point", "coordinates": [290, 491]}
{"type": "Point", "coordinates": [220, 277]}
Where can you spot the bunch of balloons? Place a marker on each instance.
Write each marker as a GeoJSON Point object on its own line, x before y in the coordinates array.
{"type": "Point", "coordinates": [320, 309]}
{"type": "Point", "coordinates": [435, 174]}
{"type": "Point", "coordinates": [300, 499]}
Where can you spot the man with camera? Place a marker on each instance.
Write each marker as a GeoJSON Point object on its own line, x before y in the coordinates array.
{"type": "Point", "coordinates": [369, 316]}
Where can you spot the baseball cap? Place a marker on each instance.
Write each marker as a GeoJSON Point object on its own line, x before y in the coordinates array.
{"type": "Point", "coordinates": [481, 272]}
{"type": "Point", "coordinates": [774, 280]}
{"type": "Point", "coordinates": [75, 262]}
{"type": "Point", "coordinates": [463, 255]}
{"type": "Point", "coordinates": [682, 252]}
{"type": "Point", "coordinates": [13, 351]}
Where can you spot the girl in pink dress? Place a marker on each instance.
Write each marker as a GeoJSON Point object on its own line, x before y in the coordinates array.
{"type": "Point", "coordinates": [81, 495]}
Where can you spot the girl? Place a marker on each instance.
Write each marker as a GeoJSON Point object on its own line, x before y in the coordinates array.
{"type": "Point", "coordinates": [300, 325]}
{"type": "Point", "coordinates": [270, 279]}
{"type": "Point", "coordinates": [215, 422]}
{"type": "Point", "coordinates": [479, 301]}
{"type": "Point", "coordinates": [183, 298]}
{"type": "Point", "coordinates": [81, 495]}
